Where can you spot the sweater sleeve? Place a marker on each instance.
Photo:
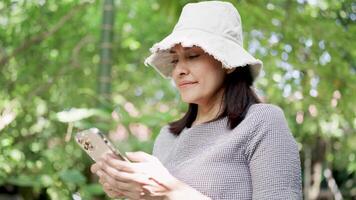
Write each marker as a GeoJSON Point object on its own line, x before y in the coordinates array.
{"type": "Point", "coordinates": [273, 158]}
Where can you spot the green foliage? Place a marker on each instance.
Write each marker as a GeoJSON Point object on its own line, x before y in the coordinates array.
{"type": "Point", "coordinates": [49, 57]}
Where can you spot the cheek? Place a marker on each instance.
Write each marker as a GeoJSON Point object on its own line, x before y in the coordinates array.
{"type": "Point", "coordinates": [212, 79]}
{"type": "Point", "coordinates": [212, 85]}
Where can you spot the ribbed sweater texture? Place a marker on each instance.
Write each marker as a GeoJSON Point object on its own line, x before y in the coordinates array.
{"type": "Point", "coordinates": [258, 159]}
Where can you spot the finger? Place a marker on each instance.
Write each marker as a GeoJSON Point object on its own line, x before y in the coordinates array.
{"type": "Point", "coordinates": [116, 190]}
{"type": "Point", "coordinates": [99, 173]}
{"type": "Point", "coordinates": [112, 194]}
{"type": "Point", "coordinates": [109, 192]}
{"type": "Point", "coordinates": [125, 177]}
{"type": "Point", "coordinates": [101, 181]}
{"type": "Point", "coordinates": [125, 166]}
{"type": "Point", "coordinates": [105, 184]}
{"type": "Point", "coordinates": [104, 179]}
{"type": "Point", "coordinates": [119, 189]}
{"type": "Point", "coordinates": [154, 190]}
{"type": "Point", "coordinates": [139, 156]}
{"type": "Point", "coordinates": [113, 155]}
{"type": "Point", "coordinates": [133, 195]}
{"type": "Point", "coordinates": [132, 186]}
{"type": "Point", "coordinates": [120, 165]}
{"type": "Point", "coordinates": [108, 187]}
{"type": "Point", "coordinates": [94, 167]}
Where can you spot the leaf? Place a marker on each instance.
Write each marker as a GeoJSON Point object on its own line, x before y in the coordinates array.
{"type": "Point", "coordinates": [92, 189]}
{"type": "Point", "coordinates": [72, 176]}
{"type": "Point", "coordinates": [23, 180]}
{"type": "Point", "coordinates": [46, 180]}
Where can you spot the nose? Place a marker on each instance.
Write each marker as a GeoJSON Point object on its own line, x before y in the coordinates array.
{"type": "Point", "coordinates": [180, 69]}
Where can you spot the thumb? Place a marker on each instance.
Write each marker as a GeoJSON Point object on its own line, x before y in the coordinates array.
{"type": "Point", "coordinates": [139, 156]}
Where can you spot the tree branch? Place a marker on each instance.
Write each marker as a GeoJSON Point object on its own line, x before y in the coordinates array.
{"type": "Point", "coordinates": [74, 62]}
{"type": "Point", "coordinates": [36, 39]}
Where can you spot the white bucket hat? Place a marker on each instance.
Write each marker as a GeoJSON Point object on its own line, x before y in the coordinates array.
{"type": "Point", "coordinates": [211, 25]}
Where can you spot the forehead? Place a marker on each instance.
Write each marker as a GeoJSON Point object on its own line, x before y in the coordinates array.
{"type": "Point", "coordinates": [180, 48]}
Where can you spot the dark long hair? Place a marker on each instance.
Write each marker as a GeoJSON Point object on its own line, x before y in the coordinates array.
{"type": "Point", "coordinates": [237, 98]}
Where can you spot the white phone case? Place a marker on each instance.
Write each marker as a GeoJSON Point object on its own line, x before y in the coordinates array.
{"type": "Point", "coordinates": [96, 144]}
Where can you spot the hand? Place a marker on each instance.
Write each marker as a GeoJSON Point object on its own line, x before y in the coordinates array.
{"type": "Point", "coordinates": [145, 177]}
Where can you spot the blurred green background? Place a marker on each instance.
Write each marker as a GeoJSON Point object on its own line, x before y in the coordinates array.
{"type": "Point", "coordinates": [69, 65]}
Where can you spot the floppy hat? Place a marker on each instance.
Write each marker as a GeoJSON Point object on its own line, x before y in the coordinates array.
{"type": "Point", "coordinates": [211, 25]}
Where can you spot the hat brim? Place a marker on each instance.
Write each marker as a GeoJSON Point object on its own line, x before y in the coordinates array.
{"type": "Point", "coordinates": [223, 49]}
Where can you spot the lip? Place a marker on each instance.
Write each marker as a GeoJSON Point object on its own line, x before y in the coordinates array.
{"type": "Point", "coordinates": [186, 83]}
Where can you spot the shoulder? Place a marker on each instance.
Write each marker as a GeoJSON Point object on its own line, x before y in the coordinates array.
{"type": "Point", "coordinates": [163, 135]}
{"type": "Point", "coordinates": [164, 129]}
{"type": "Point", "coordinates": [261, 115]}
{"type": "Point", "coordinates": [263, 112]}
{"type": "Point", "coordinates": [164, 132]}
{"type": "Point", "coordinates": [270, 127]}
{"type": "Point", "coordinates": [264, 109]}
{"type": "Point", "coordinates": [266, 119]}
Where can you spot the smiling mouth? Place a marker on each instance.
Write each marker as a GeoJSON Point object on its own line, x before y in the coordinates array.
{"type": "Point", "coordinates": [184, 85]}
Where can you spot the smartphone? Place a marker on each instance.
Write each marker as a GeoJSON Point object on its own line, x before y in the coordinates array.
{"type": "Point", "coordinates": [95, 144]}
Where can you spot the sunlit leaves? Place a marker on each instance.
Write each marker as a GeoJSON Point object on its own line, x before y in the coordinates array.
{"type": "Point", "coordinates": [72, 177]}
{"type": "Point", "coordinates": [48, 89]}
{"type": "Point", "coordinates": [75, 114]}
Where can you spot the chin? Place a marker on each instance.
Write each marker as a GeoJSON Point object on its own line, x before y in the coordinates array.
{"type": "Point", "coordinates": [189, 99]}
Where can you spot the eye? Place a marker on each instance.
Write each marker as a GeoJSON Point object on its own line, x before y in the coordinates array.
{"type": "Point", "coordinates": [174, 61]}
{"type": "Point", "coordinates": [193, 56]}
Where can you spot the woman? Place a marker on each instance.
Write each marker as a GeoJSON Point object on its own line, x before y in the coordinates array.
{"type": "Point", "coordinates": [228, 145]}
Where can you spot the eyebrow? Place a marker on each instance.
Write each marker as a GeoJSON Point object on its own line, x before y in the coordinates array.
{"type": "Point", "coordinates": [185, 48]}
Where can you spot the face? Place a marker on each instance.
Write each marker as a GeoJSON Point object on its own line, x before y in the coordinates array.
{"type": "Point", "coordinates": [197, 75]}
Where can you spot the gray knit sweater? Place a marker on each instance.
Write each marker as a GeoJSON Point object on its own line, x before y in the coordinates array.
{"type": "Point", "coordinates": [256, 160]}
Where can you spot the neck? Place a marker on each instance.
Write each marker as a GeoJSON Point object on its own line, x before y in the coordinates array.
{"type": "Point", "coordinates": [210, 109]}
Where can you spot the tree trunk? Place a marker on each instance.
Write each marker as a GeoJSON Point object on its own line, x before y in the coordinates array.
{"type": "Point", "coordinates": [104, 76]}
{"type": "Point", "coordinates": [313, 169]}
